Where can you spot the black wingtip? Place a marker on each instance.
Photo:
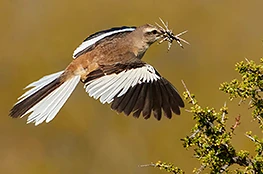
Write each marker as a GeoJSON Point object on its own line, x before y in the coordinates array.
{"type": "Point", "coordinates": [146, 98]}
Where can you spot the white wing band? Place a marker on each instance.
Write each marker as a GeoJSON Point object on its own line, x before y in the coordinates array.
{"type": "Point", "coordinates": [108, 86]}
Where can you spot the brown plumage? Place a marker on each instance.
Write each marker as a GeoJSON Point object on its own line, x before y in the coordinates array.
{"type": "Point", "coordinates": [109, 63]}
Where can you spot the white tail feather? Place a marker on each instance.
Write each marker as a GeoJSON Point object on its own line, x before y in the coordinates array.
{"type": "Point", "coordinates": [37, 85]}
{"type": "Point", "coordinates": [48, 107]}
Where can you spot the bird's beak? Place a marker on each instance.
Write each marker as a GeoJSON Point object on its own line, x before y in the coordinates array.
{"type": "Point", "coordinates": [160, 34]}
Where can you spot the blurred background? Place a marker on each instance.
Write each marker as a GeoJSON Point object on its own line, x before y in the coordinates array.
{"type": "Point", "coordinates": [39, 37]}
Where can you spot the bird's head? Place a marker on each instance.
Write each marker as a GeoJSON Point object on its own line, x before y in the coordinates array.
{"type": "Point", "coordinates": [150, 33]}
{"type": "Point", "coordinates": [145, 35]}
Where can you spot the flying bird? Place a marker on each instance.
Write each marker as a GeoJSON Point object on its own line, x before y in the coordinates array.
{"type": "Point", "coordinates": [110, 66]}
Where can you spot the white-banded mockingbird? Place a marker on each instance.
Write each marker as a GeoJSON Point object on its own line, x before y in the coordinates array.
{"type": "Point", "coordinates": [110, 66]}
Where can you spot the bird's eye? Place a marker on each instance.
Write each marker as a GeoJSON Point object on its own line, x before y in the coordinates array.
{"type": "Point", "coordinates": [154, 32]}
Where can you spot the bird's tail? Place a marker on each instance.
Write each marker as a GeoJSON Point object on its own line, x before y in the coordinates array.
{"type": "Point", "coordinates": [45, 98]}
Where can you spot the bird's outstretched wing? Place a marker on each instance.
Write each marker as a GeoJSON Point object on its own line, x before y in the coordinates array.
{"type": "Point", "coordinates": [134, 88]}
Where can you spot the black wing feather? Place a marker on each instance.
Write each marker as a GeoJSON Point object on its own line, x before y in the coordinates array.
{"type": "Point", "coordinates": [157, 101]}
{"type": "Point", "coordinates": [129, 107]}
{"type": "Point", "coordinates": [140, 102]}
{"type": "Point", "coordinates": [147, 109]}
{"type": "Point", "coordinates": [143, 98]}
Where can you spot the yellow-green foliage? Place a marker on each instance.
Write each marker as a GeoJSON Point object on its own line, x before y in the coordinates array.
{"type": "Point", "coordinates": [209, 137]}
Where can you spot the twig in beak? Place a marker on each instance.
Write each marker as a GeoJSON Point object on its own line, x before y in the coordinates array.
{"type": "Point", "coordinates": [167, 35]}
